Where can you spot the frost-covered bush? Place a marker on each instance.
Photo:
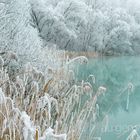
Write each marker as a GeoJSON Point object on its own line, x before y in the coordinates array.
{"type": "Point", "coordinates": [33, 106]}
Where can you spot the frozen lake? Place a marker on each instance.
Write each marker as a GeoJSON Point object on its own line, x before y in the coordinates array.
{"type": "Point", "coordinates": [116, 74]}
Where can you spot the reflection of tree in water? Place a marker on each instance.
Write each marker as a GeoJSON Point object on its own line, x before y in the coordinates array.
{"type": "Point", "coordinates": [115, 74]}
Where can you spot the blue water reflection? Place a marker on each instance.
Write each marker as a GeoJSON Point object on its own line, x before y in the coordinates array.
{"type": "Point", "coordinates": [115, 73]}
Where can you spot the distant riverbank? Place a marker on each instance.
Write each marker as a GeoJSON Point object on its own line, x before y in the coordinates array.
{"type": "Point", "coordinates": [73, 54]}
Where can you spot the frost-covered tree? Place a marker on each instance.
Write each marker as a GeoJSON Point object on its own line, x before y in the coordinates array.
{"type": "Point", "coordinates": [87, 25]}
{"type": "Point", "coordinates": [19, 34]}
{"type": "Point", "coordinates": [135, 39]}
{"type": "Point", "coordinates": [133, 7]}
{"type": "Point", "coordinates": [16, 32]}
{"type": "Point", "coordinates": [118, 39]}
{"type": "Point", "coordinates": [59, 23]}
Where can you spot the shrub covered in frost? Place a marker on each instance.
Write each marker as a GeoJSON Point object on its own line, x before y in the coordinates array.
{"type": "Point", "coordinates": [50, 106]}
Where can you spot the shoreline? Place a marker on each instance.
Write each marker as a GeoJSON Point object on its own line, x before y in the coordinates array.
{"type": "Point", "coordinates": [73, 54]}
{"type": "Point", "coordinates": [91, 54]}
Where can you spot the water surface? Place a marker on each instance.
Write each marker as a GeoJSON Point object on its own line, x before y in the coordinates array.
{"type": "Point", "coordinates": [116, 73]}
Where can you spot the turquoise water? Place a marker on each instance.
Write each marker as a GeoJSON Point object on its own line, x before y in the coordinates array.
{"type": "Point", "coordinates": [115, 73]}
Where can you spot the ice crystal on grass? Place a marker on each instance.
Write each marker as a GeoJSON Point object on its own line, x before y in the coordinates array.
{"type": "Point", "coordinates": [49, 135]}
{"type": "Point", "coordinates": [48, 108]}
{"type": "Point", "coordinates": [2, 97]}
{"type": "Point", "coordinates": [133, 135]}
{"type": "Point", "coordinates": [1, 63]}
{"type": "Point", "coordinates": [28, 128]}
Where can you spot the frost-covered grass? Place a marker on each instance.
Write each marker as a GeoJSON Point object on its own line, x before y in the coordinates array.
{"type": "Point", "coordinates": [44, 106]}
